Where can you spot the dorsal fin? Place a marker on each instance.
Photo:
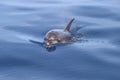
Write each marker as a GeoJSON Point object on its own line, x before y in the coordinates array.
{"type": "Point", "coordinates": [67, 28]}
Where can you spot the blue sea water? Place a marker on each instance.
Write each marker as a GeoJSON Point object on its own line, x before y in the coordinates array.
{"type": "Point", "coordinates": [96, 58]}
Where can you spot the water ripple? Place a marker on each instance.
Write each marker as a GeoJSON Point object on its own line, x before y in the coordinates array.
{"type": "Point", "coordinates": [95, 12]}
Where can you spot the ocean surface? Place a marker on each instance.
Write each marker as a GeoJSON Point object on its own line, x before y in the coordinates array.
{"type": "Point", "coordinates": [96, 58]}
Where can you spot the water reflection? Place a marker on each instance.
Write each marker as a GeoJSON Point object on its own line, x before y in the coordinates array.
{"type": "Point", "coordinates": [96, 56]}
{"type": "Point", "coordinates": [42, 44]}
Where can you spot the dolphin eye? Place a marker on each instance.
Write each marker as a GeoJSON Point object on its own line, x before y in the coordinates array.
{"type": "Point", "coordinates": [58, 40]}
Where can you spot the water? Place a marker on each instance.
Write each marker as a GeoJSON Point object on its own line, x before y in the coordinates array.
{"type": "Point", "coordinates": [96, 58]}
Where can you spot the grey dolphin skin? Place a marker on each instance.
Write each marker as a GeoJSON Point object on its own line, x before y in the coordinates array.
{"type": "Point", "coordinates": [59, 36]}
{"type": "Point", "coordinates": [67, 28]}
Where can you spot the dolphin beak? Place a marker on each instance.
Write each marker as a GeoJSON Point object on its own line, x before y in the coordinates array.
{"type": "Point", "coordinates": [47, 43]}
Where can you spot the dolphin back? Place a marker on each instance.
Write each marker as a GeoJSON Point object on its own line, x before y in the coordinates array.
{"type": "Point", "coordinates": [67, 28]}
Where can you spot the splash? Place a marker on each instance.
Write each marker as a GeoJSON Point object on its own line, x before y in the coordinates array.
{"type": "Point", "coordinates": [93, 43]}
